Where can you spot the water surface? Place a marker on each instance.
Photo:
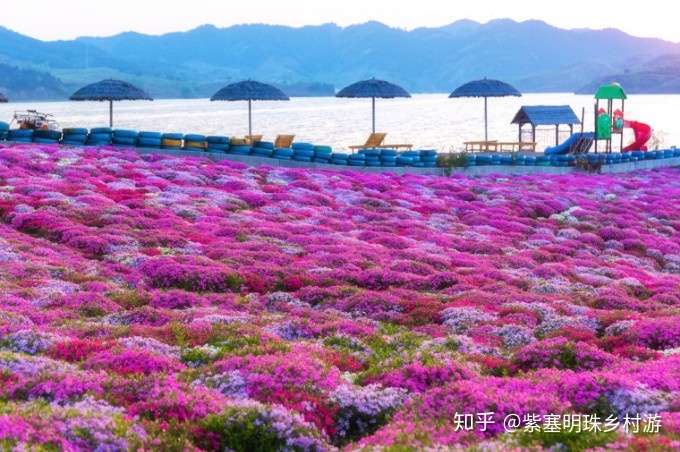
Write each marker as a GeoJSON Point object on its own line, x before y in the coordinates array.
{"type": "Point", "coordinates": [426, 120]}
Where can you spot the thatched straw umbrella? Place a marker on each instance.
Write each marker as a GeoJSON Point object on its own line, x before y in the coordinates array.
{"type": "Point", "coordinates": [373, 89]}
{"type": "Point", "coordinates": [110, 90]}
{"type": "Point", "coordinates": [485, 88]}
{"type": "Point", "coordinates": [249, 90]}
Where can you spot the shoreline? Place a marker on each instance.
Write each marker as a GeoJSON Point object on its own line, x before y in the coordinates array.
{"type": "Point", "coordinates": [255, 161]}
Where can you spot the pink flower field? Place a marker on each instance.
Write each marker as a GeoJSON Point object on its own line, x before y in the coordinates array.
{"type": "Point", "coordinates": [161, 303]}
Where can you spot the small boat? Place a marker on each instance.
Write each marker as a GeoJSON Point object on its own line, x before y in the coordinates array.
{"type": "Point", "coordinates": [35, 120]}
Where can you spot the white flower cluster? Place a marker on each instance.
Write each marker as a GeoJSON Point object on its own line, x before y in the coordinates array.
{"type": "Point", "coordinates": [619, 328]}
{"type": "Point", "coordinates": [225, 319]}
{"type": "Point", "coordinates": [150, 344]}
{"type": "Point", "coordinates": [298, 434]}
{"type": "Point", "coordinates": [639, 400]}
{"type": "Point", "coordinates": [362, 408]}
{"type": "Point", "coordinates": [231, 384]}
{"type": "Point", "coordinates": [463, 318]}
{"type": "Point", "coordinates": [29, 341]}
{"type": "Point", "coordinates": [515, 335]}
{"type": "Point", "coordinates": [282, 297]}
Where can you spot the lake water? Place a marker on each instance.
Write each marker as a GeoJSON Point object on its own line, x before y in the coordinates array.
{"type": "Point", "coordinates": [426, 120]}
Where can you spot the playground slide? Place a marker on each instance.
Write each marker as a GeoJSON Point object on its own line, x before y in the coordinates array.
{"type": "Point", "coordinates": [643, 133]}
{"type": "Point", "coordinates": [563, 148]}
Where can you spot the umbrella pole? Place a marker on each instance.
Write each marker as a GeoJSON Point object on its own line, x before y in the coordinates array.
{"type": "Point", "coordinates": [250, 119]}
{"type": "Point", "coordinates": [373, 105]}
{"type": "Point", "coordinates": [486, 123]}
{"type": "Point", "coordinates": [110, 113]}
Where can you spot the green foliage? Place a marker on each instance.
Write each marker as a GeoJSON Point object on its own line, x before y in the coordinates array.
{"type": "Point", "coordinates": [130, 299]}
{"type": "Point", "coordinates": [568, 357]}
{"type": "Point", "coordinates": [452, 160]}
{"type": "Point", "coordinates": [391, 349]}
{"type": "Point", "coordinates": [238, 430]}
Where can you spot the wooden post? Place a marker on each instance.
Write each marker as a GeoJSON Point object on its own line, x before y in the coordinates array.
{"type": "Point", "coordinates": [597, 105]}
{"type": "Point", "coordinates": [557, 134]}
{"type": "Point", "coordinates": [610, 106]}
{"type": "Point", "coordinates": [373, 116]}
{"type": "Point", "coordinates": [623, 116]}
{"type": "Point", "coordinates": [519, 128]}
{"type": "Point", "coordinates": [486, 123]}
{"type": "Point", "coordinates": [110, 113]}
{"type": "Point", "coordinates": [583, 117]}
{"type": "Point", "coordinates": [250, 119]}
{"type": "Point", "coordinates": [533, 133]}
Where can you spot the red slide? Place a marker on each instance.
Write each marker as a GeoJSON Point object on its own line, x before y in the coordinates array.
{"type": "Point", "coordinates": [643, 133]}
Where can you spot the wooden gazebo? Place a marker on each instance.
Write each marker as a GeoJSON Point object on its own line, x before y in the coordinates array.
{"type": "Point", "coordinates": [545, 115]}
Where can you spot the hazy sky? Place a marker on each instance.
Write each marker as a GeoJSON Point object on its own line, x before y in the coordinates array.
{"type": "Point", "coordinates": [64, 19]}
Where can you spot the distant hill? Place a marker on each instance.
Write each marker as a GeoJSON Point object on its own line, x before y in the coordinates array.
{"type": "Point", "coordinates": [532, 55]}
{"type": "Point", "coordinates": [22, 84]}
{"type": "Point", "coordinates": [660, 75]}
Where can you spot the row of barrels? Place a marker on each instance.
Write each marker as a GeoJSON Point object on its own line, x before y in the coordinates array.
{"type": "Point", "coordinates": [300, 151]}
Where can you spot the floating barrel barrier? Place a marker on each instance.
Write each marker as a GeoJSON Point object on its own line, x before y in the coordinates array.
{"type": "Point", "coordinates": [74, 136]}
{"type": "Point", "coordinates": [239, 146]}
{"type": "Point", "coordinates": [565, 160]}
{"type": "Point", "coordinates": [283, 153]}
{"type": "Point", "coordinates": [307, 152]}
{"type": "Point", "coordinates": [4, 130]}
{"type": "Point", "coordinates": [303, 152]}
{"type": "Point", "coordinates": [358, 159]}
{"type": "Point", "coordinates": [340, 158]}
{"type": "Point", "coordinates": [172, 141]}
{"type": "Point", "coordinates": [20, 135]}
{"type": "Point", "coordinates": [122, 137]}
{"type": "Point", "coordinates": [100, 136]}
{"type": "Point", "coordinates": [388, 157]}
{"type": "Point", "coordinates": [403, 160]}
{"type": "Point", "coordinates": [263, 148]}
{"type": "Point", "coordinates": [638, 155]}
{"type": "Point", "coordinates": [429, 158]}
{"type": "Point", "coordinates": [46, 136]}
{"type": "Point", "coordinates": [239, 149]}
{"type": "Point", "coordinates": [218, 143]}
{"type": "Point", "coordinates": [371, 157]}
{"type": "Point", "coordinates": [149, 140]}
{"type": "Point", "coordinates": [195, 142]}
{"type": "Point", "coordinates": [322, 154]}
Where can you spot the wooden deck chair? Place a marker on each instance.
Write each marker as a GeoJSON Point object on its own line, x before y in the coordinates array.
{"type": "Point", "coordinates": [374, 140]}
{"type": "Point", "coordinates": [283, 141]}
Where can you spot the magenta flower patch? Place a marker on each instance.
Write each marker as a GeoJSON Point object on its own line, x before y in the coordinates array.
{"type": "Point", "coordinates": [149, 302]}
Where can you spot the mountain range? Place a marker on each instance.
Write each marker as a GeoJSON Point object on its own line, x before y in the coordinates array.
{"type": "Point", "coordinates": [532, 55]}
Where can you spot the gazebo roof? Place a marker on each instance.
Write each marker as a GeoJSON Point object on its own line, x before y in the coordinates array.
{"type": "Point", "coordinates": [546, 115]}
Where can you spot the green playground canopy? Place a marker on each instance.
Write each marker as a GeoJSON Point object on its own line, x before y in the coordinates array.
{"type": "Point", "coordinates": [610, 91]}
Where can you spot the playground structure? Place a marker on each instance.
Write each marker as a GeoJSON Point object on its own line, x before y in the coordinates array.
{"type": "Point", "coordinates": [610, 122]}
{"type": "Point", "coordinates": [545, 115]}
